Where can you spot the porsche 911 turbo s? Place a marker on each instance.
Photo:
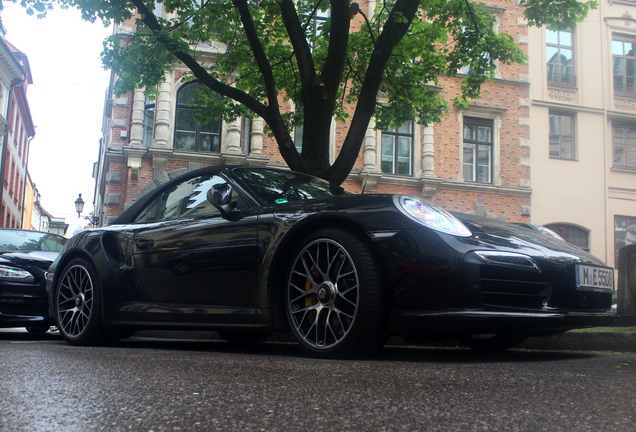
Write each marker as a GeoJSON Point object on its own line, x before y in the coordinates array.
{"type": "Point", "coordinates": [25, 256]}
{"type": "Point", "coordinates": [247, 251]}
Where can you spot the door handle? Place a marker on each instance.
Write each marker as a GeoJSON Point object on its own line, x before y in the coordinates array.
{"type": "Point", "coordinates": [144, 244]}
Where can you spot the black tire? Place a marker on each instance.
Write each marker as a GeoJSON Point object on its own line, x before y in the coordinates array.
{"type": "Point", "coordinates": [492, 342]}
{"type": "Point", "coordinates": [38, 328]}
{"type": "Point", "coordinates": [244, 337]}
{"type": "Point", "coordinates": [78, 304]}
{"type": "Point", "coordinates": [334, 296]}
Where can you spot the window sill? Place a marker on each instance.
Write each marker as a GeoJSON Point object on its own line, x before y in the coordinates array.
{"type": "Point", "coordinates": [625, 169]}
{"type": "Point", "coordinates": [564, 159]}
{"type": "Point", "coordinates": [554, 84]}
{"type": "Point", "coordinates": [624, 95]}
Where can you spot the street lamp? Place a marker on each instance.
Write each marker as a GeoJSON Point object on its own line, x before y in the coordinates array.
{"type": "Point", "coordinates": [79, 206]}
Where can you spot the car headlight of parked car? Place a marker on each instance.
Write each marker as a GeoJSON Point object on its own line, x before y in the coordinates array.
{"type": "Point", "coordinates": [13, 274]}
{"type": "Point", "coordinates": [431, 216]}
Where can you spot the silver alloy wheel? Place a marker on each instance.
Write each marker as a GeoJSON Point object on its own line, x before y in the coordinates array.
{"type": "Point", "coordinates": [74, 300]}
{"type": "Point", "coordinates": [323, 294]}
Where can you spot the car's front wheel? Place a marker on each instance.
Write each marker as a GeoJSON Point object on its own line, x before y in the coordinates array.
{"type": "Point", "coordinates": [78, 304]}
{"type": "Point", "coordinates": [334, 296]}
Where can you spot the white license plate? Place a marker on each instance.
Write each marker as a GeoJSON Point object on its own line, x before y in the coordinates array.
{"type": "Point", "coordinates": [591, 278]}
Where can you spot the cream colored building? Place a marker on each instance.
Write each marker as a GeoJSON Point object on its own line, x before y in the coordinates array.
{"type": "Point", "coordinates": [583, 128]}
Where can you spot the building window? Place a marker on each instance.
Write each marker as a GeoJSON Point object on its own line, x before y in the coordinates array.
{"type": "Point", "coordinates": [572, 234]}
{"type": "Point", "coordinates": [560, 59]}
{"type": "Point", "coordinates": [397, 150]}
{"type": "Point", "coordinates": [317, 25]}
{"type": "Point", "coordinates": [149, 122]}
{"type": "Point", "coordinates": [478, 150]}
{"type": "Point", "coordinates": [624, 66]}
{"type": "Point", "coordinates": [624, 145]}
{"type": "Point", "coordinates": [189, 134]}
{"type": "Point", "coordinates": [561, 136]}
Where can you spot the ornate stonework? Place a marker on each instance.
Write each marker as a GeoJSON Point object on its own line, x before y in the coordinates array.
{"type": "Point", "coordinates": [625, 104]}
{"type": "Point", "coordinates": [561, 95]}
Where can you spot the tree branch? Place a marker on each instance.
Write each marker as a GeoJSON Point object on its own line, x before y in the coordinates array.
{"type": "Point", "coordinates": [298, 40]}
{"type": "Point", "coordinates": [199, 72]}
{"type": "Point", "coordinates": [396, 27]}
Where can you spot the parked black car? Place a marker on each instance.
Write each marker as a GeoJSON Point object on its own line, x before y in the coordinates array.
{"type": "Point", "coordinates": [247, 251]}
{"type": "Point", "coordinates": [25, 257]}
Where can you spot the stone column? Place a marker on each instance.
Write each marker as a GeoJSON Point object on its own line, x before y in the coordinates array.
{"type": "Point", "coordinates": [163, 115]}
{"type": "Point", "coordinates": [428, 153]}
{"type": "Point", "coordinates": [370, 148]}
{"type": "Point", "coordinates": [256, 144]}
{"type": "Point", "coordinates": [232, 144]}
{"type": "Point", "coordinates": [137, 121]}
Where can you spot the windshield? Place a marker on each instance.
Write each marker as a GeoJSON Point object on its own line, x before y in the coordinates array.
{"type": "Point", "coordinates": [16, 240]}
{"type": "Point", "coordinates": [277, 187]}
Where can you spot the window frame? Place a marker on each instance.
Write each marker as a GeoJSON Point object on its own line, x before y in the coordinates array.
{"type": "Point", "coordinates": [560, 135]}
{"type": "Point", "coordinates": [395, 134]}
{"type": "Point", "coordinates": [476, 143]}
{"type": "Point", "coordinates": [625, 127]}
{"type": "Point", "coordinates": [559, 46]}
{"type": "Point", "coordinates": [182, 107]}
{"type": "Point", "coordinates": [624, 77]}
{"type": "Point", "coordinates": [150, 113]}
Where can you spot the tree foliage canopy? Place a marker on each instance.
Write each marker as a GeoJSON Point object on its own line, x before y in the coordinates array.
{"type": "Point", "coordinates": [385, 63]}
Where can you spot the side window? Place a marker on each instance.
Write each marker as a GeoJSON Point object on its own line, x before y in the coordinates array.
{"type": "Point", "coordinates": [187, 199]}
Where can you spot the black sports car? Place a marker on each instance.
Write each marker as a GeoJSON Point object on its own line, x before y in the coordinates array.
{"type": "Point", "coordinates": [24, 258]}
{"type": "Point", "coordinates": [247, 251]}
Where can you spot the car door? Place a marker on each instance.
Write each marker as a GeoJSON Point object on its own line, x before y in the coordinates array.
{"type": "Point", "coordinates": [185, 254]}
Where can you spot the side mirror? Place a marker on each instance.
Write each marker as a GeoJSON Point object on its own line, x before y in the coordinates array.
{"type": "Point", "coordinates": [220, 195]}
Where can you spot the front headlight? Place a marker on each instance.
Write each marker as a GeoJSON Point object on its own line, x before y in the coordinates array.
{"type": "Point", "coordinates": [431, 216]}
{"type": "Point", "coordinates": [14, 274]}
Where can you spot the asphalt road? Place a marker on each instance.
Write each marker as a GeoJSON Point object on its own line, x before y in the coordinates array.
{"type": "Point", "coordinates": [170, 385]}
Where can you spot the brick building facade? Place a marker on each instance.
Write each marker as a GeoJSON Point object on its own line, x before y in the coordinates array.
{"type": "Point", "coordinates": [476, 160]}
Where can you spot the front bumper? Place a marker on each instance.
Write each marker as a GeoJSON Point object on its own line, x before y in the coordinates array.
{"type": "Point", "coordinates": [481, 321]}
{"type": "Point", "coordinates": [23, 305]}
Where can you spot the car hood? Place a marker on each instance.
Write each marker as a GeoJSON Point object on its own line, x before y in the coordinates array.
{"type": "Point", "coordinates": [506, 235]}
{"type": "Point", "coordinates": [40, 259]}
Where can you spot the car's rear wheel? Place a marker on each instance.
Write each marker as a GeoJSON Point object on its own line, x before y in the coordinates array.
{"type": "Point", "coordinates": [78, 304]}
{"type": "Point", "coordinates": [492, 342]}
{"type": "Point", "coordinates": [334, 296]}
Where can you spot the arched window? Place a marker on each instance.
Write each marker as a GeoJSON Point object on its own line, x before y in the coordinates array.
{"type": "Point", "coordinates": [190, 135]}
{"type": "Point", "coordinates": [572, 234]}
